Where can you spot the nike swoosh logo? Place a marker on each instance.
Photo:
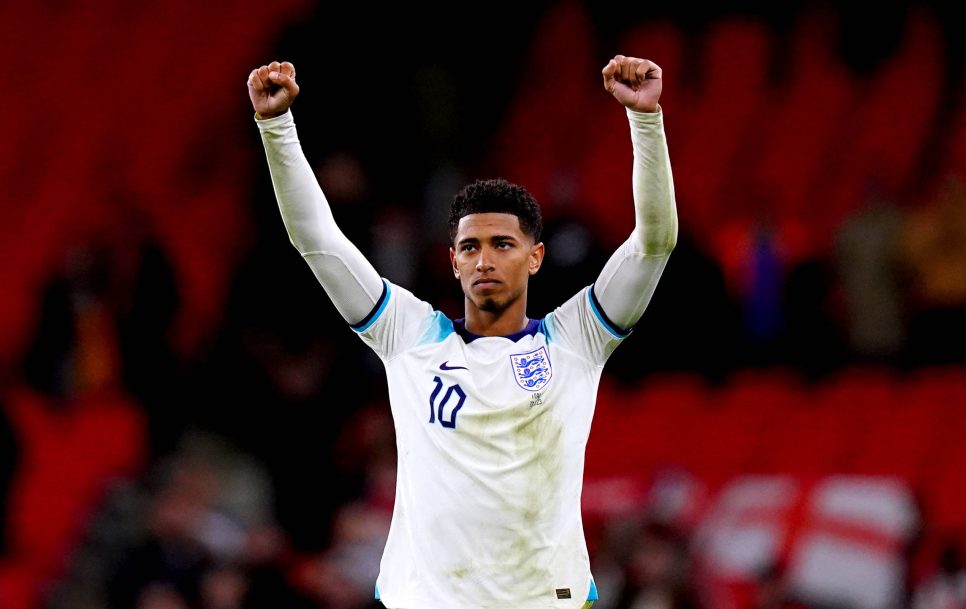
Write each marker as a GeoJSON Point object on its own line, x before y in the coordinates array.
{"type": "Point", "coordinates": [443, 366]}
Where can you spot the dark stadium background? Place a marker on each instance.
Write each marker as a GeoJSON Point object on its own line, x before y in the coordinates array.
{"type": "Point", "coordinates": [186, 422]}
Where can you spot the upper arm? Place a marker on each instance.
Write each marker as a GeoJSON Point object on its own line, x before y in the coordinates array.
{"type": "Point", "coordinates": [580, 326]}
{"type": "Point", "coordinates": [627, 282]}
{"type": "Point", "coordinates": [396, 322]}
{"type": "Point", "coordinates": [594, 321]}
{"type": "Point", "coordinates": [349, 279]}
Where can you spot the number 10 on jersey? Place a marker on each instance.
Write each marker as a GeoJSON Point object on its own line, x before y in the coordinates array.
{"type": "Point", "coordinates": [451, 402]}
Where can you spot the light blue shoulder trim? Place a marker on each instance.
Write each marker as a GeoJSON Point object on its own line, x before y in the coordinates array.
{"type": "Point", "coordinates": [377, 310]}
{"type": "Point", "coordinates": [591, 595]}
{"type": "Point", "coordinates": [439, 328]}
{"type": "Point", "coordinates": [616, 331]}
{"type": "Point", "coordinates": [377, 591]}
{"type": "Point", "coordinates": [546, 327]}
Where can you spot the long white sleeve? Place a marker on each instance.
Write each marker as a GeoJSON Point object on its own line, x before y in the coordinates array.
{"type": "Point", "coordinates": [347, 277]}
{"type": "Point", "coordinates": [627, 282]}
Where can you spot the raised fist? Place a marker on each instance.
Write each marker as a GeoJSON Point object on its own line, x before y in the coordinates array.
{"type": "Point", "coordinates": [636, 83]}
{"type": "Point", "coordinates": [272, 89]}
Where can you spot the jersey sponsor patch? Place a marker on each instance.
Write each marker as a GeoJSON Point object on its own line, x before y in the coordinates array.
{"type": "Point", "coordinates": [532, 370]}
{"type": "Point", "coordinates": [563, 593]}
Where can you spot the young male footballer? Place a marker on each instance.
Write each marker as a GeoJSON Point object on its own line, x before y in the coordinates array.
{"type": "Point", "coordinates": [493, 410]}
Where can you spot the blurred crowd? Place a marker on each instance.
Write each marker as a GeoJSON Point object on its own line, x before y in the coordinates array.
{"type": "Point", "coordinates": [259, 469]}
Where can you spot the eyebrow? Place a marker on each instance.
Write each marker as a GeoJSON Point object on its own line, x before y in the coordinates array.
{"type": "Point", "coordinates": [493, 238]}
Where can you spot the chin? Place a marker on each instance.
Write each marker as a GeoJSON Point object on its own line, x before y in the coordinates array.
{"type": "Point", "coordinates": [489, 305]}
{"type": "Point", "coordinates": [484, 302]}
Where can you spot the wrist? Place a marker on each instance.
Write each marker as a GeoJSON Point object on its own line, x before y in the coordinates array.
{"type": "Point", "coordinates": [655, 109]}
{"type": "Point", "coordinates": [264, 116]}
{"type": "Point", "coordinates": [645, 117]}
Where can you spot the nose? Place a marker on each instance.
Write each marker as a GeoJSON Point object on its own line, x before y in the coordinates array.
{"type": "Point", "coordinates": [483, 263]}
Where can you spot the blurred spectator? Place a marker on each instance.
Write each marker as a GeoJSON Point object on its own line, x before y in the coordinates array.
{"type": "Point", "coordinates": [762, 311]}
{"type": "Point", "coordinates": [946, 588]}
{"type": "Point", "coordinates": [149, 302]}
{"type": "Point", "coordinates": [160, 596]}
{"type": "Point", "coordinates": [655, 571]}
{"type": "Point", "coordinates": [691, 323]}
{"type": "Point", "coordinates": [76, 346]}
{"type": "Point", "coordinates": [573, 260]}
{"type": "Point", "coordinates": [224, 587]}
{"type": "Point", "coordinates": [170, 559]}
{"type": "Point", "coordinates": [348, 190]}
{"type": "Point", "coordinates": [104, 322]}
{"type": "Point", "coordinates": [433, 270]}
{"type": "Point", "coordinates": [205, 537]}
{"type": "Point", "coordinates": [280, 383]}
{"type": "Point", "coordinates": [934, 252]}
{"type": "Point", "coordinates": [396, 250]}
{"type": "Point", "coordinates": [78, 432]}
{"type": "Point", "coordinates": [867, 263]}
{"type": "Point", "coordinates": [344, 575]}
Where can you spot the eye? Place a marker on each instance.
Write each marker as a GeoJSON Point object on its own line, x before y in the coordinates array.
{"type": "Point", "coordinates": [503, 245]}
{"type": "Point", "coordinates": [466, 247]}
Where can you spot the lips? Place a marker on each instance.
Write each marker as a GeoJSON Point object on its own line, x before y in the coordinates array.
{"type": "Point", "coordinates": [485, 283]}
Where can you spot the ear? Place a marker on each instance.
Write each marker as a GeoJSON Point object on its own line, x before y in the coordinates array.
{"type": "Point", "coordinates": [536, 258]}
{"type": "Point", "coordinates": [452, 261]}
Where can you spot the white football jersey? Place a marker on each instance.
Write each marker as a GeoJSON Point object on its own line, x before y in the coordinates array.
{"type": "Point", "coordinates": [491, 434]}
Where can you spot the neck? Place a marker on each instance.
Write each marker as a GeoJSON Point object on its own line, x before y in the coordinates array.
{"type": "Point", "coordinates": [496, 323]}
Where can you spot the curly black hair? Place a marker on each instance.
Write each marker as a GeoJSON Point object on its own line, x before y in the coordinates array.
{"type": "Point", "coordinates": [497, 196]}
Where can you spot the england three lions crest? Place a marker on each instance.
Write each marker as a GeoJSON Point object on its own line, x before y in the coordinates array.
{"type": "Point", "coordinates": [532, 370]}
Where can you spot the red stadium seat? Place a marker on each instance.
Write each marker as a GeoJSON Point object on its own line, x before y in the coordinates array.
{"type": "Point", "coordinates": [68, 458]}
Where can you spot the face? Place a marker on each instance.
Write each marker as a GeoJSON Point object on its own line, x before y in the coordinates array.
{"type": "Point", "coordinates": [493, 259]}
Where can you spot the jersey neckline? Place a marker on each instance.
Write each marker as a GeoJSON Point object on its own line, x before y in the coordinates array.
{"type": "Point", "coordinates": [531, 329]}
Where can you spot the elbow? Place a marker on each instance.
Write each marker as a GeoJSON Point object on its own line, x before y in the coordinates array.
{"type": "Point", "coordinates": [301, 246]}
{"type": "Point", "coordinates": [670, 229]}
{"type": "Point", "coordinates": [663, 247]}
{"type": "Point", "coordinates": [303, 239]}
{"type": "Point", "coordinates": [672, 239]}
{"type": "Point", "coordinates": [656, 230]}
{"type": "Point", "coordinates": [658, 241]}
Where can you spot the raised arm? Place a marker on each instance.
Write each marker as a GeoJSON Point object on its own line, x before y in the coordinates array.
{"type": "Point", "coordinates": [627, 282]}
{"type": "Point", "coordinates": [347, 277]}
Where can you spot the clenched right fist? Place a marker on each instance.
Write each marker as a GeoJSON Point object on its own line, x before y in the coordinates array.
{"type": "Point", "coordinates": [272, 89]}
